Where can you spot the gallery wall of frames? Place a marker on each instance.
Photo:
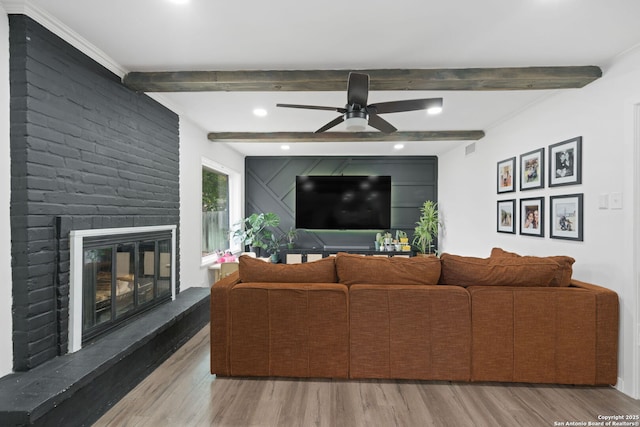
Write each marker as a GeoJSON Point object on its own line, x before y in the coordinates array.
{"type": "Point", "coordinates": [528, 215]}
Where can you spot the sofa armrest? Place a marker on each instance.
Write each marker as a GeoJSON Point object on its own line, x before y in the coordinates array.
{"type": "Point", "coordinates": [607, 321]}
{"type": "Point", "coordinates": [595, 288]}
{"type": "Point", "coordinates": [219, 326]}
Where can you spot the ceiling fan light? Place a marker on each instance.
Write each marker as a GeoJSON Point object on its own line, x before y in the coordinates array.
{"type": "Point", "coordinates": [356, 124]}
{"type": "Point", "coordinates": [434, 110]}
{"type": "Point", "coordinates": [259, 112]}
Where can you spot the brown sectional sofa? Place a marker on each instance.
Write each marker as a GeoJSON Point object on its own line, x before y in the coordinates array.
{"type": "Point", "coordinates": [504, 318]}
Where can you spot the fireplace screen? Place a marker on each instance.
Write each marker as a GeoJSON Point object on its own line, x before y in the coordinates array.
{"type": "Point", "coordinates": [121, 279]}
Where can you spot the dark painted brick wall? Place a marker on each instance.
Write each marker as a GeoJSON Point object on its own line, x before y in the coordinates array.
{"type": "Point", "coordinates": [86, 152]}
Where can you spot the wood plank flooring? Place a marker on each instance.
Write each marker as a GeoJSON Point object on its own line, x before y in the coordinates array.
{"type": "Point", "coordinates": [182, 392]}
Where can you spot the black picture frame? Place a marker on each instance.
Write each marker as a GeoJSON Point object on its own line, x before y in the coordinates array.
{"type": "Point", "coordinates": [506, 175]}
{"type": "Point", "coordinates": [565, 162]}
{"type": "Point", "coordinates": [506, 216]}
{"type": "Point", "coordinates": [567, 217]}
{"type": "Point", "coordinates": [532, 216]}
{"type": "Point", "coordinates": [532, 170]}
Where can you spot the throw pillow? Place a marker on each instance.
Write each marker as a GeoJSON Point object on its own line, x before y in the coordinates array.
{"type": "Point", "coordinates": [256, 270]}
{"type": "Point", "coordinates": [506, 271]}
{"type": "Point", "coordinates": [373, 270]}
{"type": "Point", "coordinates": [563, 275]}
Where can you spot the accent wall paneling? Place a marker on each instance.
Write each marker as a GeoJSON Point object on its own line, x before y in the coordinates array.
{"type": "Point", "coordinates": [270, 187]}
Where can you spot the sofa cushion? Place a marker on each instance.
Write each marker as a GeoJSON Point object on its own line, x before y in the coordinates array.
{"type": "Point", "coordinates": [372, 270]}
{"type": "Point", "coordinates": [289, 329]}
{"type": "Point", "coordinates": [410, 332]}
{"type": "Point", "coordinates": [256, 270]}
{"type": "Point", "coordinates": [513, 271]}
{"type": "Point", "coordinates": [563, 275]}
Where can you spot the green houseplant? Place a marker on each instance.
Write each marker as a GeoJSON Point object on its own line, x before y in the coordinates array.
{"type": "Point", "coordinates": [272, 245]}
{"type": "Point", "coordinates": [379, 242]}
{"type": "Point", "coordinates": [403, 240]}
{"type": "Point", "coordinates": [290, 236]}
{"type": "Point", "coordinates": [253, 232]}
{"type": "Point", "coordinates": [426, 230]}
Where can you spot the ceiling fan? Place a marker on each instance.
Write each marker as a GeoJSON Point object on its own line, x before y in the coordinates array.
{"type": "Point", "coordinates": [357, 114]}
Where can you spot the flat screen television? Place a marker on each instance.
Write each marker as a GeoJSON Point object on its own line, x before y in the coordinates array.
{"type": "Point", "coordinates": [343, 202]}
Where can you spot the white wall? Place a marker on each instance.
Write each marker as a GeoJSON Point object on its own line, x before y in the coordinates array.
{"type": "Point", "coordinates": [6, 321]}
{"type": "Point", "coordinates": [602, 113]}
{"type": "Point", "coordinates": [194, 148]}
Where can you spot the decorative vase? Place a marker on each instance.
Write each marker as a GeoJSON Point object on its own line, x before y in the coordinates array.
{"type": "Point", "coordinates": [256, 250]}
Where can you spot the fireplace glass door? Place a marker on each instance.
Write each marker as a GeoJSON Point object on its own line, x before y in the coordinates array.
{"type": "Point", "coordinates": [125, 253]}
{"type": "Point", "coordinates": [121, 279]}
{"type": "Point", "coordinates": [96, 287]}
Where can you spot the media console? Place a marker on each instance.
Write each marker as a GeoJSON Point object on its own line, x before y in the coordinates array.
{"type": "Point", "coordinates": [296, 256]}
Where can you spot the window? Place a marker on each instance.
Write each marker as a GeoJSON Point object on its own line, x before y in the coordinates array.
{"type": "Point", "coordinates": [215, 212]}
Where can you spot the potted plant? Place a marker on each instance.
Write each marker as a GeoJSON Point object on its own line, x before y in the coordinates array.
{"type": "Point", "coordinates": [388, 241]}
{"type": "Point", "coordinates": [290, 237]}
{"type": "Point", "coordinates": [253, 230]}
{"type": "Point", "coordinates": [271, 245]}
{"type": "Point", "coordinates": [426, 230]}
{"type": "Point", "coordinates": [403, 240]}
{"type": "Point", "coordinates": [379, 242]}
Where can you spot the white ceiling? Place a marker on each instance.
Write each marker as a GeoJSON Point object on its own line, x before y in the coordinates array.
{"type": "Point", "coordinates": [160, 35]}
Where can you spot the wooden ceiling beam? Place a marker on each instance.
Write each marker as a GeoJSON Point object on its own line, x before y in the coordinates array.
{"type": "Point", "coordinates": [510, 78]}
{"type": "Point", "coordinates": [465, 135]}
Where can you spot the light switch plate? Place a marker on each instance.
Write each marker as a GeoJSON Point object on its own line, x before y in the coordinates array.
{"type": "Point", "coordinates": [603, 201]}
{"type": "Point", "coordinates": [616, 200]}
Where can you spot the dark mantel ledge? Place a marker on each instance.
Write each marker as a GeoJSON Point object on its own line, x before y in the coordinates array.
{"type": "Point", "coordinates": [76, 389]}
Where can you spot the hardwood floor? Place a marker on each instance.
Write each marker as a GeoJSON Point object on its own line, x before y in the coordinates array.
{"type": "Point", "coordinates": [181, 392]}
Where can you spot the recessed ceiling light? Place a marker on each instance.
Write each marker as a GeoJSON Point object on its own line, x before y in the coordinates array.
{"type": "Point", "coordinates": [260, 112]}
{"type": "Point", "coordinates": [398, 146]}
{"type": "Point", "coordinates": [284, 147]}
{"type": "Point", "coordinates": [434, 110]}
{"type": "Point", "coordinates": [180, 1]}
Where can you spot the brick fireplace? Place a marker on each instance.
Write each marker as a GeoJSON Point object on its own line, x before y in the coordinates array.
{"type": "Point", "coordinates": [87, 153]}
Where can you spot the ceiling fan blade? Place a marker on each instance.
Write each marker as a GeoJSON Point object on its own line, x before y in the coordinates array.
{"type": "Point", "coordinates": [358, 89]}
{"type": "Point", "coordinates": [313, 107]}
{"type": "Point", "coordinates": [381, 124]}
{"type": "Point", "coordinates": [406, 105]}
{"type": "Point", "coordinates": [331, 124]}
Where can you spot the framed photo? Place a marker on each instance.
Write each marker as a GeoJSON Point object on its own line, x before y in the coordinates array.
{"type": "Point", "coordinates": [532, 216]}
{"type": "Point", "coordinates": [507, 175]}
{"type": "Point", "coordinates": [532, 170]}
{"type": "Point", "coordinates": [565, 162]}
{"type": "Point", "coordinates": [566, 217]}
{"type": "Point", "coordinates": [506, 216]}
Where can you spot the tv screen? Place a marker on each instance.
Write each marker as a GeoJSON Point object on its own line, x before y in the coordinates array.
{"type": "Point", "coordinates": [343, 202]}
